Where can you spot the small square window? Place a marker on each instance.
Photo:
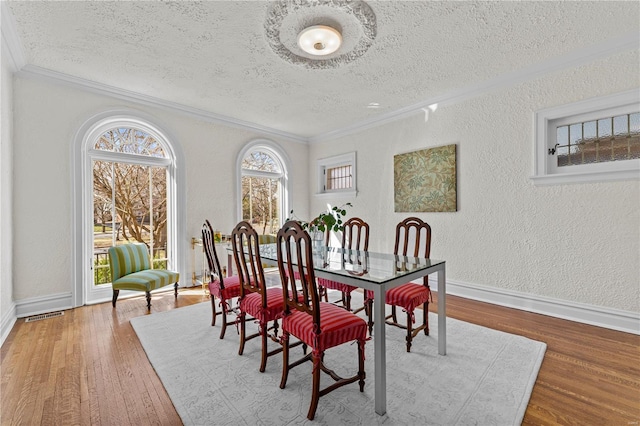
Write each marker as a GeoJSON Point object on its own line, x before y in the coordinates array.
{"type": "Point", "coordinates": [337, 175]}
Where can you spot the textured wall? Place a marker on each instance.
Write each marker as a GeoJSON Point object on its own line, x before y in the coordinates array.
{"type": "Point", "coordinates": [44, 134]}
{"type": "Point", "coordinates": [576, 242]}
{"type": "Point", "coordinates": [6, 179]}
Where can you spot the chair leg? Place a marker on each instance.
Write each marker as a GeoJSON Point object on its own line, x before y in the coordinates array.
{"type": "Point", "coordinates": [369, 307]}
{"type": "Point", "coordinates": [243, 332]}
{"type": "Point", "coordinates": [175, 290]}
{"type": "Point", "coordinates": [425, 318]}
{"type": "Point", "coordinates": [224, 319]}
{"type": "Point", "coordinates": [263, 332]}
{"type": "Point", "coordinates": [285, 359]}
{"type": "Point", "coordinates": [393, 313]}
{"type": "Point", "coordinates": [148, 300]}
{"type": "Point", "coordinates": [361, 372]}
{"type": "Point", "coordinates": [115, 297]}
{"type": "Point", "coordinates": [316, 357]}
{"type": "Point", "coordinates": [213, 309]}
{"type": "Point", "coordinates": [409, 331]}
{"type": "Point", "coordinates": [347, 300]}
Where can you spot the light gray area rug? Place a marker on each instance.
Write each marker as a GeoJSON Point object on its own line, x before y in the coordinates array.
{"type": "Point", "coordinates": [485, 379]}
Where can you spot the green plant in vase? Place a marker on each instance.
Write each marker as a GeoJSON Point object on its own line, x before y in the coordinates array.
{"type": "Point", "coordinates": [330, 219]}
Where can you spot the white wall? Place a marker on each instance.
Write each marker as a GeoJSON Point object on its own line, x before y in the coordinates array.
{"type": "Point", "coordinates": [47, 117]}
{"type": "Point", "coordinates": [577, 243]}
{"type": "Point", "coordinates": [7, 307]}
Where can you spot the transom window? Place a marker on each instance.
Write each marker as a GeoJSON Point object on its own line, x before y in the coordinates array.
{"type": "Point", "coordinates": [594, 140]}
{"type": "Point", "coordinates": [130, 141]}
{"type": "Point", "coordinates": [599, 141]}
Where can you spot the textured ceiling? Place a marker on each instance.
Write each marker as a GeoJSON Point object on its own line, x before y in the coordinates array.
{"type": "Point", "coordinates": [215, 56]}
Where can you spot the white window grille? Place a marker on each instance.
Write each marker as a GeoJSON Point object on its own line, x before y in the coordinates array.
{"type": "Point", "coordinates": [589, 141]}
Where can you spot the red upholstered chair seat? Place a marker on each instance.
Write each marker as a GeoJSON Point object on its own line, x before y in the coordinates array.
{"type": "Point", "coordinates": [231, 288]}
{"type": "Point", "coordinates": [252, 304]}
{"type": "Point", "coordinates": [337, 326]}
{"type": "Point", "coordinates": [408, 296]}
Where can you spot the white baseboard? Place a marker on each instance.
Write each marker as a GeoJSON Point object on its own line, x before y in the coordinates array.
{"type": "Point", "coordinates": [615, 319]}
{"type": "Point", "coordinates": [8, 320]}
{"type": "Point", "coordinates": [43, 304]}
{"type": "Point", "coordinates": [600, 316]}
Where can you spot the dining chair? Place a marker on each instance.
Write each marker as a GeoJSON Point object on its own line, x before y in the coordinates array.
{"type": "Point", "coordinates": [256, 299]}
{"type": "Point", "coordinates": [355, 236]}
{"type": "Point", "coordinates": [317, 324]}
{"type": "Point", "coordinates": [225, 289]}
{"type": "Point", "coordinates": [413, 238]}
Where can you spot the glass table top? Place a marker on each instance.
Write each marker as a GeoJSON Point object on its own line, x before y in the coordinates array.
{"type": "Point", "coordinates": [363, 265]}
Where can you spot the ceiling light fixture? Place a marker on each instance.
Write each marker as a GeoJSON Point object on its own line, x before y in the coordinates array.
{"type": "Point", "coordinates": [319, 40]}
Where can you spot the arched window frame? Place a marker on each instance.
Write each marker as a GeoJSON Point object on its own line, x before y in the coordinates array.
{"type": "Point", "coordinates": [83, 154]}
{"type": "Point", "coordinates": [279, 155]}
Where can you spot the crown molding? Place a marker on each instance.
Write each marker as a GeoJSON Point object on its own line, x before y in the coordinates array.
{"type": "Point", "coordinates": [11, 44]}
{"type": "Point", "coordinates": [31, 71]}
{"type": "Point", "coordinates": [576, 58]}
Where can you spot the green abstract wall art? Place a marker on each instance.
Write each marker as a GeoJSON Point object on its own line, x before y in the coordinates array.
{"type": "Point", "coordinates": [425, 180]}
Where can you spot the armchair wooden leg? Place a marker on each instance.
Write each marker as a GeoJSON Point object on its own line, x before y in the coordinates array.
{"type": "Point", "coordinates": [285, 359]}
{"type": "Point", "coordinates": [243, 331]}
{"type": "Point", "coordinates": [148, 300]}
{"type": "Point", "coordinates": [224, 319]}
{"type": "Point", "coordinates": [361, 372]}
{"type": "Point", "coordinates": [369, 309]}
{"type": "Point", "coordinates": [315, 396]}
{"type": "Point", "coordinates": [115, 297]}
{"type": "Point", "coordinates": [347, 298]}
{"type": "Point", "coordinates": [425, 317]}
{"type": "Point", "coordinates": [264, 335]}
{"type": "Point", "coordinates": [175, 290]}
{"type": "Point", "coordinates": [409, 331]}
{"type": "Point", "coordinates": [213, 308]}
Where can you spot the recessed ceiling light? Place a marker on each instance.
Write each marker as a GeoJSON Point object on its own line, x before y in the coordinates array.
{"type": "Point", "coordinates": [319, 40]}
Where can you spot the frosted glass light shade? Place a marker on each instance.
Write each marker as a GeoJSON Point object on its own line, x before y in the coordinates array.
{"type": "Point", "coordinates": [319, 40]}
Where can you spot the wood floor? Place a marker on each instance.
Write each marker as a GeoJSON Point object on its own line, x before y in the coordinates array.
{"type": "Point", "coordinates": [87, 367]}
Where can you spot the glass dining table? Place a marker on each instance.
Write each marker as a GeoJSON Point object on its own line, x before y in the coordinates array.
{"type": "Point", "coordinates": [377, 272]}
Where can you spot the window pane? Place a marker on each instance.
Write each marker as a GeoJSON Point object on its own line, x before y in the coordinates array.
{"type": "Point", "coordinates": [130, 141]}
{"type": "Point", "coordinates": [130, 205]}
{"type": "Point", "coordinates": [595, 142]}
{"type": "Point", "coordinates": [604, 128]}
{"type": "Point", "coordinates": [260, 203]}
{"type": "Point", "coordinates": [620, 125]}
{"type": "Point", "coordinates": [339, 177]}
{"type": "Point", "coordinates": [634, 120]}
{"type": "Point", "coordinates": [259, 160]}
{"type": "Point", "coordinates": [105, 230]}
{"type": "Point", "coordinates": [589, 131]}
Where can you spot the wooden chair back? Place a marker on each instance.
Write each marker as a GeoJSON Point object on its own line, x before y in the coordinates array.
{"type": "Point", "coordinates": [413, 238]}
{"type": "Point", "coordinates": [246, 253]}
{"type": "Point", "coordinates": [211, 254]}
{"type": "Point", "coordinates": [355, 235]}
{"type": "Point", "coordinates": [295, 259]}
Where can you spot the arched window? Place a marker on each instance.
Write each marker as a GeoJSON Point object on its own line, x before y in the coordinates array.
{"type": "Point", "coordinates": [263, 184]}
{"type": "Point", "coordinates": [128, 183]}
